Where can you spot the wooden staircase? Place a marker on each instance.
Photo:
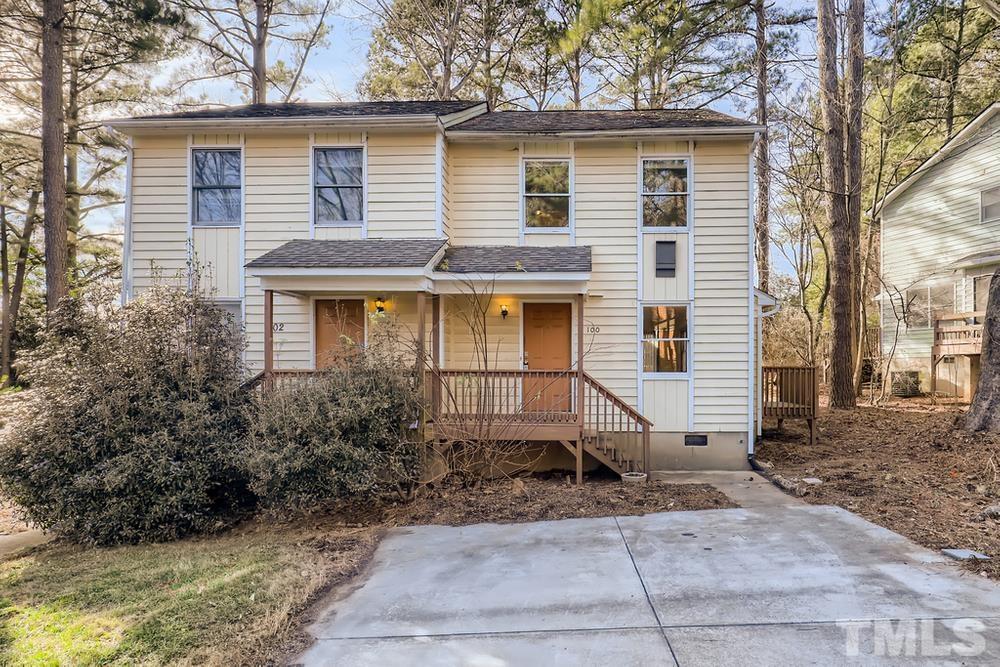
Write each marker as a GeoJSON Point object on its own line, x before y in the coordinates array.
{"type": "Point", "coordinates": [614, 433]}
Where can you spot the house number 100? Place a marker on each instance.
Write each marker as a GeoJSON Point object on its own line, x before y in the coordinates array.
{"type": "Point", "coordinates": [593, 329]}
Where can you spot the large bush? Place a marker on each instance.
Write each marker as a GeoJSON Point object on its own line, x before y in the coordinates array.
{"type": "Point", "coordinates": [131, 428]}
{"type": "Point", "coordinates": [348, 431]}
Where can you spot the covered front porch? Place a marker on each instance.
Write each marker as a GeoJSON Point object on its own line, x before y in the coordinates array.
{"type": "Point", "coordinates": [497, 336]}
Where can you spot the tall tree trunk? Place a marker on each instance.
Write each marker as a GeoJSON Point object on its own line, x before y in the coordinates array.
{"type": "Point", "coordinates": [53, 154]}
{"type": "Point", "coordinates": [4, 300]}
{"type": "Point", "coordinates": [835, 192]}
{"type": "Point", "coordinates": [955, 68]}
{"type": "Point", "coordinates": [17, 289]}
{"type": "Point", "coordinates": [72, 117]}
{"type": "Point", "coordinates": [262, 18]}
{"type": "Point", "coordinates": [855, 106]}
{"type": "Point", "coordinates": [762, 164]}
{"type": "Point", "coordinates": [984, 413]}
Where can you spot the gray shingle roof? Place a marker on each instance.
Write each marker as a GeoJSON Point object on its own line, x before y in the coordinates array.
{"type": "Point", "coordinates": [321, 110]}
{"type": "Point", "coordinates": [355, 254]}
{"type": "Point", "coordinates": [513, 259]}
{"type": "Point", "coordinates": [597, 120]}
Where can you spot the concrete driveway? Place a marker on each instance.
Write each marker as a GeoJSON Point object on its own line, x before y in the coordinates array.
{"type": "Point", "coordinates": [783, 585]}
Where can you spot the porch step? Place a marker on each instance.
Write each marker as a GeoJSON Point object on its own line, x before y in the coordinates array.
{"type": "Point", "coordinates": [610, 457]}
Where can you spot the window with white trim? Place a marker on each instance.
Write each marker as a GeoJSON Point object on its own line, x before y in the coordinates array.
{"type": "Point", "coordinates": [216, 186]}
{"type": "Point", "coordinates": [338, 186]}
{"type": "Point", "coordinates": [664, 339]}
{"type": "Point", "coordinates": [665, 192]}
{"type": "Point", "coordinates": [989, 204]}
{"type": "Point", "coordinates": [547, 198]}
{"type": "Point", "coordinates": [233, 309]}
{"type": "Point", "coordinates": [926, 303]}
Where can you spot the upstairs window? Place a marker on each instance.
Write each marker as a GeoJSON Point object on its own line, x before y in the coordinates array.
{"type": "Point", "coordinates": [664, 339]}
{"type": "Point", "coordinates": [338, 186]}
{"type": "Point", "coordinates": [989, 204]}
{"type": "Point", "coordinates": [546, 194]}
{"type": "Point", "coordinates": [665, 192]}
{"type": "Point", "coordinates": [217, 187]}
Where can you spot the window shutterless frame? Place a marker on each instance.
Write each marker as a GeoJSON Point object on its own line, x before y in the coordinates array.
{"type": "Point", "coordinates": [569, 195]}
{"type": "Point", "coordinates": [203, 184]}
{"type": "Point", "coordinates": [685, 194]}
{"type": "Point", "coordinates": [993, 194]}
{"type": "Point", "coordinates": [315, 187]}
{"type": "Point", "coordinates": [686, 339]}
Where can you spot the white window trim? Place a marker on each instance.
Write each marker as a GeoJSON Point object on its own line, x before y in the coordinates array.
{"type": "Point", "coordinates": [926, 288]}
{"type": "Point", "coordinates": [688, 351]}
{"type": "Point", "coordinates": [194, 224]}
{"type": "Point", "coordinates": [982, 208]}
{"type": "Point", "coordinates": [570, 228]}
{"type": "Point", "coordinates": [689, 193]}
{"type": "Point", "coordinates": [349, 224]}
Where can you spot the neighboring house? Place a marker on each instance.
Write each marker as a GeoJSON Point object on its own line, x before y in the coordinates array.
{"type": "Point", "coordinates": [940, 245]}
{"type": "Point", "coordinates": [617, 246]}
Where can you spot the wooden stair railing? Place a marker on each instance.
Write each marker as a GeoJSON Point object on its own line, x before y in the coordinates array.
{"type": "Point", "coordinates": [614, 432]}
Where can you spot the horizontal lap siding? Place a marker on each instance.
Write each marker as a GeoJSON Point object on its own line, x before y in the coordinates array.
{"type": "Point", "coordinates": [606, 191]}
{"type": "Point", "coordinates": [159, 209]}
{"type": "Point", "coordinates": [935, 222]}
{"type": "Point", "coordinates": [483, 184]}
{"type": "Point", "coordinates": [721, 284]}
{"type": "Point", "coordinates": [401, 185]}
{"type": "Point", "coordinates": [277, 210]}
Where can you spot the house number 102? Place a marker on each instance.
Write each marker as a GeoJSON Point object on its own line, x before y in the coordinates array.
{"type": "Point", "coordinates": [278, 326]}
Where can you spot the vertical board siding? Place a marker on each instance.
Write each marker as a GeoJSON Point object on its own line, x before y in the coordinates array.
{"type": "Point", "coordinates": [665, 402]}
{"type": "Point", "coordinates": [665, 289]}
{"type": "Point", "coordinates": [216, 250]}
{"type": "Point", "coordinates": [721, 286]}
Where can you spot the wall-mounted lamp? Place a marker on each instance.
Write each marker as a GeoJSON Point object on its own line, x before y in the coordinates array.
{"type": "Point", "coordinates": [379, 304]}
{"type": "Point", "coordinates": [503, 311]}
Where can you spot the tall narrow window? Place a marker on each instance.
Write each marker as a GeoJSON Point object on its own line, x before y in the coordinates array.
{"type": "Point", "coordinates": [338, 186]}
{"type": "Point", "coordinates": [546, 194]}
{"type": "Point", "coordinates": [665, 192]}
{"type": "Point", "coordinates": [664, 339]}
{"type": "Point", "coordinates": [666, 259]}
{"type": "Point", "coordinates": [217, 187]}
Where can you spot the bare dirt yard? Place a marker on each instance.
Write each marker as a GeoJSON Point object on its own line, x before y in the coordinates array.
{"type": "Point", "coordinates": [241, 597]}
{"type": "Point", "coordinates": [905, 466]}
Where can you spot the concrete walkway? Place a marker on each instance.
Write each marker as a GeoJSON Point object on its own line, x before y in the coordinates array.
{"type": "Point", "coordinates": [11, 544]}
{"type": "Point", "coordinates": [771, 585]}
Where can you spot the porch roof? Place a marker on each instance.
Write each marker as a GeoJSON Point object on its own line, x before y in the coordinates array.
{"type": "Point", "coordinates": [351, 254]}
{"type": "Point", "coordinates": [514, 259]}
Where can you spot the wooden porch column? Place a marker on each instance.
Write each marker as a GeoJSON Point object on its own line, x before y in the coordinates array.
{"type": "Point", "coordinates": [579, 387]}
{"type": "Point", "coordinates": [268, 335]}
{"type": "Point", "coordinates": [435, 354]}
{"type": "Point", "coordinates": [421, 331]}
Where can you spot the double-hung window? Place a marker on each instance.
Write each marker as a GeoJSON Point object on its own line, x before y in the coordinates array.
{"type": "Point", "coordinates": [989, 204]}
{"type": "Point", "coordinates": [665, 192]}
{"type": "Point", "coordinates": [338, 186]}
{"type": "Point", "coordinates": [217, 186]}
{"type": "Point", "coordinates": [664, 339]}
{"type": "Point", "coordinates": [547, 199]}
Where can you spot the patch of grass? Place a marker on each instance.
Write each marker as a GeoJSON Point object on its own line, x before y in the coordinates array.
{"type": "Point", "coordinates": [228, 599]}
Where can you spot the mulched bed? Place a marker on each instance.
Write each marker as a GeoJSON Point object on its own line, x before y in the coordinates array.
{"type": "Point", "coordinates": [906, 466]}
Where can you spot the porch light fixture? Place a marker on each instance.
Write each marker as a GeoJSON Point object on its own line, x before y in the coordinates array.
{"type": "Point", "coordinates": [503, 311]}
{"type": "Point", "coordinates": [379, 304]}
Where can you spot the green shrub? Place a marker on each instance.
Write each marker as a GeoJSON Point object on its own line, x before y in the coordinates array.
{"type": "Point", "coordinates": [133, 422]}
{"type": "Point", "coordinates": [348, 431]}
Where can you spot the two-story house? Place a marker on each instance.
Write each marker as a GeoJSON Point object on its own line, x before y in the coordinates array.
{"type": "Point", "coordinates": [940, 247]}
{"type": "Point", "coordinates": [614, 248]}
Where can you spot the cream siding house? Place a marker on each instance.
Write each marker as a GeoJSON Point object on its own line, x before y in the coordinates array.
{"type": "Point", "coordinates": [940, 246]}
{"type": "Point", "coordinates": [614, 249]}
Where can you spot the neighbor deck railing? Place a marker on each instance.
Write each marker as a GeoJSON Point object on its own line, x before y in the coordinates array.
{"type": "Point", "coordinates": [790, 392]}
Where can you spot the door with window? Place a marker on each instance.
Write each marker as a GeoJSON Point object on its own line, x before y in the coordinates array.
{"type": "Point", "coordinates": [548, 347]}
{"type": "Point", "coordinates": [340, 329]}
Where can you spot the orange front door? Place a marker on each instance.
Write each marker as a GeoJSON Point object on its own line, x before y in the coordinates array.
{"type": "Point", "coordinates": [340, 327]}
{"type": "Point", "coordinates": [547, 346]}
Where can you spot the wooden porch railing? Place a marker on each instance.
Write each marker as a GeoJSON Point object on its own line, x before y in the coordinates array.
{"type": "Point", "coordinates": [790, 392]}
{"type": "Point", "coordinates": [961, 333]}
{"type": "Point", "coordinates": [524, 404]}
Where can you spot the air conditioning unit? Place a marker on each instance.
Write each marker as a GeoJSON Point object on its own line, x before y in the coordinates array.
{"type": "Point", "coordinates": [905, 383]}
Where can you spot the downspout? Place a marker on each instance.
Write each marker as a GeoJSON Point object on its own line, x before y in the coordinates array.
{"type": "Point", "coordinates": [127, 236]}
{"type": "Point", "coordinates": [751, 298]}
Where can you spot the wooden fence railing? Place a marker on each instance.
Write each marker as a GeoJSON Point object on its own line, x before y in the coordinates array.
{"type": "Point", "coordinates": [961, 333]}
{"type": "Point", "coordinates": [790, 392]}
